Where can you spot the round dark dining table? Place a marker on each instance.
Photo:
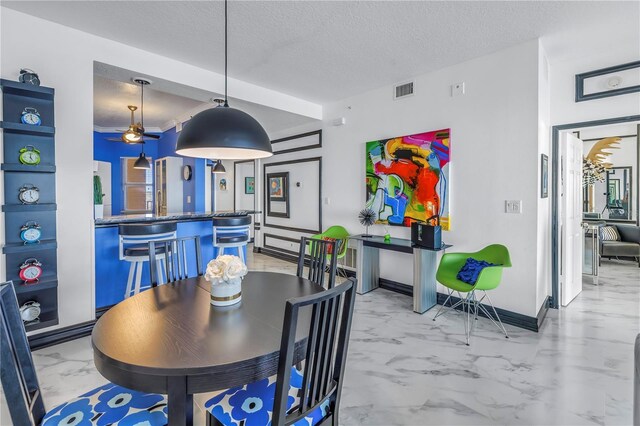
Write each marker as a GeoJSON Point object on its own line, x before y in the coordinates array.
{"type": "Point", "coordinates": [171, 340]}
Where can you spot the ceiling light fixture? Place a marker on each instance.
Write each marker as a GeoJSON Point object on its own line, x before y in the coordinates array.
{"type": "Point", "coordinates": [142, 162]}
{"type": "Point", "coordinates": [223, 132]}
{"type": "Point", "coordinates": [131, 135]}
{"type": "Point", "coordinates": [218, 167]}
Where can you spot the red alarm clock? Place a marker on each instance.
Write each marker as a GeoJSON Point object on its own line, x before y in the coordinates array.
{"type": "Point", "coordinates": [30, 271]}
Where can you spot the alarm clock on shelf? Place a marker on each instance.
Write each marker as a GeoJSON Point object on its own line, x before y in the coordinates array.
{"type": "Point", "coordinates": [30, 233]}
{"type": "Point", "coordinates": [30, 271]}
{"type": "Point", "coordinates": [31, 116]}
{"type": "Point", "coordinates": [30, 311]}
{"type": "Point", "coordinates": [29, 156]}
{"type": "Point", "coordinates": [29, 194]}
{"type": "Point", "coordinates": [29, 77]}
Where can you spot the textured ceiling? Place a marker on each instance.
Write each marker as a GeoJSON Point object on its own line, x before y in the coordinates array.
{"type": "Point", "coordinates": [111, 97]}
{"type": "Point", "coordinates": [166, 101]}
{"type": "Point", "coordinates": [324, 51]}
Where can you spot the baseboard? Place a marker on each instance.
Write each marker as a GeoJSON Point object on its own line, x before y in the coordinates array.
{"type": "Point", "coordinates": [60, 335]}
{"type": "Point", "coordinates": [542, 313]}
{"type": "Point", "coordinates": [401, 288]}
{"type": "Point", "coordinates": [507, 317]}
{"type": "Point", "coordinates": [65, 334]}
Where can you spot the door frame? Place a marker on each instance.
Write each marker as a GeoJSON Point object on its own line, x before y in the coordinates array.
{"type": "Point", "coordinates": [555, 199]}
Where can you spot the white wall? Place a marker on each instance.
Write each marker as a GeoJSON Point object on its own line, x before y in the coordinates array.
{"type": "Point", "coordinates": [543, 237]}
{"type": "Point", "coordinates": [303, 201]}
{"type": "Point", "coordinates": [224, 199]}
{"type": "Point", "coordinates": [564, 109]}
{"type": "Point", "coordinates": [64, 59]}
{"type": "Point", "coordinates": [242, 171]}
{"type": "Point", "coordinates": [495, 157]}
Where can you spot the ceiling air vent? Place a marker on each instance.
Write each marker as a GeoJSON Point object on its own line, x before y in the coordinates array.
{"type": "Point", "coordinates": [403, 90]}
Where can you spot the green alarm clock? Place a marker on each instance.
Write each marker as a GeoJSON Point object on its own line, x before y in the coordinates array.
{"type": "Point", "coordinates": [29, 155]}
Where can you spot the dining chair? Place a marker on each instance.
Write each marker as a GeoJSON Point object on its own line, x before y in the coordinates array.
{"type": "Point", "coordinates": [108, 404]}
{"type": "Point", "coordinates": [488, 279]}
{"type": "Point", "coordinates": [319, 252]}
{"type": "Point", "coordinates": [340, 235]}
{"type": "Point", "coordinates": [311, 395]}
{"type": "Point", "coordinates": [174, 264]}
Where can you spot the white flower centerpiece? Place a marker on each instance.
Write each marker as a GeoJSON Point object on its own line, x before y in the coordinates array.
{"type": "Point", "coordinates": [225, 274]}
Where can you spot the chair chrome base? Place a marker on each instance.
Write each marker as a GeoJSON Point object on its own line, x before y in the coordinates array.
{"type": "Point", "coordinates": [470, 308]}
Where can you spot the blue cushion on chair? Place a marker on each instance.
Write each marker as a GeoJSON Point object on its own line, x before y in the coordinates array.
{"type": "Point", "coordinates": [110, 405]}
{"type": "Point", "coordinates": [471, 270]}
{"type": "Point", "coordinates": [252, 404]}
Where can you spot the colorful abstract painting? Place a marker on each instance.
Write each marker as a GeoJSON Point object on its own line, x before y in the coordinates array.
{"type": "Point", "coordinates": [408, 178]}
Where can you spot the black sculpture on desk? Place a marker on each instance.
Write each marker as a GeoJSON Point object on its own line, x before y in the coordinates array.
{"type": "Point", "coordinates": [367, 217]}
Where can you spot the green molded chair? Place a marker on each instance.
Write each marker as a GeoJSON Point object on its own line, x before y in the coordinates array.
{"type": "Point", "coordinates": [488, 279]}
{"type": "Point", "coordinates": [341, 235]}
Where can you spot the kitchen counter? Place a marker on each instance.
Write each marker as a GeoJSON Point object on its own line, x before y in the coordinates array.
{"type": "Point", "coordinates": [111, 273]}
{"type": "Point", "coordinates": [143, 218]}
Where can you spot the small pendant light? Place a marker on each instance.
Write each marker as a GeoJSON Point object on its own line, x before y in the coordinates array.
{"type": "Point", "coordinates": [218, 167]}
{"type": "Point", "coordinates": [222, 132]}
{"type": "Point", "coordinates": [142, 162]}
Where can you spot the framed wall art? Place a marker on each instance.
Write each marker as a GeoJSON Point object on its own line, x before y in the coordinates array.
{"type": "Point", "coordinates": [277, 197]}
{"type": "Point", "coordinates": [544, 176]}
{"type": "Point", "coordinates": [249, 185]}
{"type": "Point", "coordinates": [407, 178]}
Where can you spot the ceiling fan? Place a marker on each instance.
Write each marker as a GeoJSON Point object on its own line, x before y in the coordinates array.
{"type": "Point", "coordinates": [135, 133]}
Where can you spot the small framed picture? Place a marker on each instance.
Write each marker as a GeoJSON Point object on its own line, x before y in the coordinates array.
{"type": "Point", "coordinates": [544, 176]}
{"type": "Point", "coordinates": [277, 191]}
{"type": "Point", "coordinates": [249, 185]}
{"type": "Point", "coordinates": [278, 185]}
{"type": "Point", "coordinates": [223, 184]}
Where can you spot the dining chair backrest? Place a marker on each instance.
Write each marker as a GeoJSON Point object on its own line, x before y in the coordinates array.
{"type": "Point", "coordinates": [319, 255]}
{"type": "Point", "coordinates": [326, 353]}
{"type": "Point", "coordinates": [174, 254]}
{"type": "Point", "coordinates": [19, 380]}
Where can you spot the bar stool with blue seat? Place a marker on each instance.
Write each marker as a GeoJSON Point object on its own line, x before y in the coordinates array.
{"type": "Point", "coordinates": [134, 241]}
{"type": "Point", "coordinates": [231, 235]}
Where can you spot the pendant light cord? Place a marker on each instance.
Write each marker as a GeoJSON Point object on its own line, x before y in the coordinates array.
{"type": "Point", "coordinates": [142, 116]}
{"type": "Point", "coordinates": [226, 103]}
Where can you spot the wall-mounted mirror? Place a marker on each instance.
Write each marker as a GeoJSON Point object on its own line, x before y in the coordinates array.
{"type": "Point", "coordinates": [612, 194]}
{"type": "Point", "coordinates": [619, 196]}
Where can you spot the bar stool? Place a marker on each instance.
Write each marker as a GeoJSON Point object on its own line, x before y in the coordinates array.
{"type": "Point", "coordinates": [231, 233]}
{"type": "Point", "coordinates": [133, 247]}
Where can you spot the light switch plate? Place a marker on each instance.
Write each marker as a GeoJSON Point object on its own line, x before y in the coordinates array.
{"type": "Point", "coordinates": [513, 206]}
{"type": "Point", "coordinates": [457, 89]}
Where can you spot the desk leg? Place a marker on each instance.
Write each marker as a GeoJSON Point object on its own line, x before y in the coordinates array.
{"type": "Point", "coordinates": [368, 268]}
{"type": "Point", "coordinates": [424, 280]}
{"type": "Point", "coordinates": [180, 403]}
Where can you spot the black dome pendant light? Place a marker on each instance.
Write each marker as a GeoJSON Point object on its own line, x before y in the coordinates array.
{"type": "Point", "coordinates": [142, 162]}
{"type": "Point", "coordinates": [222, 132]}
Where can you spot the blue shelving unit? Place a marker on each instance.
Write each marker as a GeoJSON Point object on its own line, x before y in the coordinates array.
{"type": "Point", "coordinates": [16, 135]}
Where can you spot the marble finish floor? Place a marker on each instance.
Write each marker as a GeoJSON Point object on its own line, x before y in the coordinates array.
{"type": "Point", "coordinates": [405, 369]}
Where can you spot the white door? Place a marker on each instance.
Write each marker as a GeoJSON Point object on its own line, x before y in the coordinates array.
{"type": "Point", "coordinates": [571, 217]}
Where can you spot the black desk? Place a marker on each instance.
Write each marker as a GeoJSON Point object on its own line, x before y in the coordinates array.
{"type": "Point", "coordinates": [170, 340]}
{"type": "Point", "coordinates": [424, 267]}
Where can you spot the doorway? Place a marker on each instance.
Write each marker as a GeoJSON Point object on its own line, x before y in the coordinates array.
{"type": "Point", "coordinates": [558, 174]}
